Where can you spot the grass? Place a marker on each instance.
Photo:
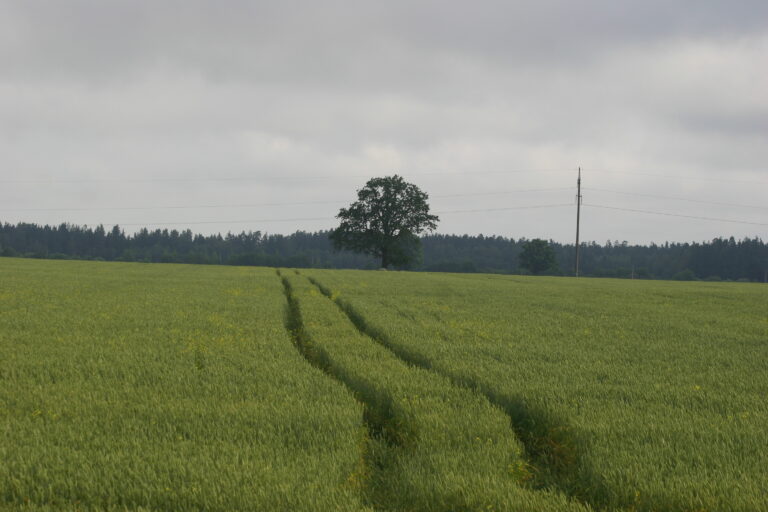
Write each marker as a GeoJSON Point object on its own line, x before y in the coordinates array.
{"type": "Point", "coordinates": [433, 446]}
{"type": "Point", "coordinates": [179, 387]}
{"type": "Point", "coordinates": [628, 394]}
{"type": "Point", "coordinates": [163, 387]}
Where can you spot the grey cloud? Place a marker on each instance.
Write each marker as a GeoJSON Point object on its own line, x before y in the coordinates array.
{"type": "Point", "coordinates": [261, 40]}
{"type": "Point", "coordinates": [341, 90]}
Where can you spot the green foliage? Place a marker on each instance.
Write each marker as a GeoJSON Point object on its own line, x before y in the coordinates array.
{"type": "Point", "coordinates": [385, 221]}
{"type": "Point", "coordinates": [538, 256]}
{"type": "Point", "coordinates": [685, 275]}
{"type": "Point", "coordinates": [149, 387]}
{"type": "Point", "coordinates": [627, 395]}
{"type": "Point", "coordinates": [432, 445]}
{"type": "Point", "coordinates": [728, 258]}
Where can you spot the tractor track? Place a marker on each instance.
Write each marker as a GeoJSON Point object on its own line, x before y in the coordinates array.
{"type": "Point", "coordinates": [380, 434]}
{"type": "Point", "coordinates": [551, 448]}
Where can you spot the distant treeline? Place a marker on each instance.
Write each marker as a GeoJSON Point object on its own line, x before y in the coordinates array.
{"type": "Point", "coordinates": [719, 259]}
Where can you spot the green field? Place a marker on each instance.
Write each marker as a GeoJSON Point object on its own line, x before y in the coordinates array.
{"type": "Point", "coordinates": [179, 387]}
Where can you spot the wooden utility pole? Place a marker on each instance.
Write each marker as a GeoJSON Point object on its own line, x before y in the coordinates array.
{"type": "Point", "coordinates": [578, 216]}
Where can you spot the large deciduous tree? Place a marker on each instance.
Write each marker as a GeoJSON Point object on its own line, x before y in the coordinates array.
{"type": "Point", "coordinates": [385, 221]}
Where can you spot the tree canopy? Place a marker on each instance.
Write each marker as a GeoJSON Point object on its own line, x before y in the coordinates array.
{"type": "Point", "coordinates": [718, 259]}
{"type": "Point", "coordinates": [385, 221]}
{"type": "Point", "coordinates": [538, 256]}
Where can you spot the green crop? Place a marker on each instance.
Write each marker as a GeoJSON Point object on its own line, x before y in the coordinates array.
{"type": "Point", "coordinates": [180, 387]}
{"type": "Point", "coordinates": [434, 446]}
{"type": "Point", "coordinates": [626, 394]}
{"type": "Point", "coordinates": [164, 387]}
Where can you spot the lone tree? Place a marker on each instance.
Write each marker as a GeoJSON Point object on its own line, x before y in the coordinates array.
{"type": "Point", "coordinates": [385, 221]}
{"type": "Point", "coordinates": [538, 256]}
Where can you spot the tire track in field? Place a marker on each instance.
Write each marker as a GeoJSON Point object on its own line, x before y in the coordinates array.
{"type": "Point", "coordinates": [551, 447]}
{"type": "Point", "coordinates": [382, 436]}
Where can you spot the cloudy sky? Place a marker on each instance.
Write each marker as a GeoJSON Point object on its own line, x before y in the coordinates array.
{"type": "Point", "coordinates": [235, 115]}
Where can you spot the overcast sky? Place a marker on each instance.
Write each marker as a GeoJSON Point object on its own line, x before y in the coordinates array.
{"type": "Point", "coordinates": [206, 114]}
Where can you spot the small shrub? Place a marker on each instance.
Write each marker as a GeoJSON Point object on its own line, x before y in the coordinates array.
{"type": "Point", "coordinates": [685, 275]}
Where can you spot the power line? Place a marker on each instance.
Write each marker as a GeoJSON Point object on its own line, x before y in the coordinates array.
{"type": "Point", "coordinates": [681, 177]}
{"type": "Point", "coordinates": [294, 203]}
{"type": "Point", "coordinates": [76, 181]}
{"type": "Point", "coordinates": [505, 209]}
{"type": "Point", "coordinates": [166, 207]}
{"type": "Point", "coordinates": [480, 210]}
{"type": "Point", "coordinates": [252, 221]}
{"type": "Point", "coordinates": [677, 198]}
{"type": "Point", "coordinates": [53, 181]}
{"type": "Point", "coordinates": [442, 212]}
{"type": "Point", "coordinates": [501, 193]}
{"type": "Point", "coordinates": [676, 215]}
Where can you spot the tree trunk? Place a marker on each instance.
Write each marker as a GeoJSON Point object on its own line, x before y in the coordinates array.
{"type": "Point", "coordinates": [384, 259]}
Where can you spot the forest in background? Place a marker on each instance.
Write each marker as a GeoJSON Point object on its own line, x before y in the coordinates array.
{"type": "Point", "coordinates": [718, 259]}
